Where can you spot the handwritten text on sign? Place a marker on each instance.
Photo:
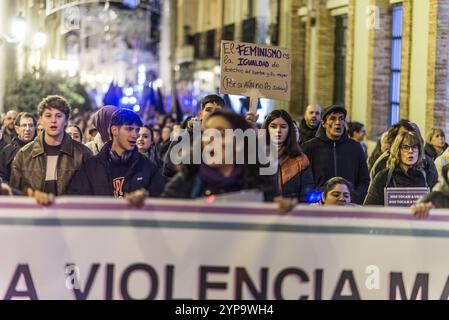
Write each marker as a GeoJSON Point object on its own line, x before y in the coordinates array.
{"type": "Point", "coordinates": [254, 70]}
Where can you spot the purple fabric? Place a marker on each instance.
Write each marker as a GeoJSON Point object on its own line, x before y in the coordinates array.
{"type": "Point", "coordinates": [102, 120]}
{"type": "Point", "coordinates": [213, 177]}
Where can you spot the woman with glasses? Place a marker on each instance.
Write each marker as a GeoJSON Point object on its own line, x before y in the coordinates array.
{"type": "Point", "coordinates": [404, 168]}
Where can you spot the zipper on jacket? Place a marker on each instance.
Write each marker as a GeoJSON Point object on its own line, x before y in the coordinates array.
{"type": "Point", "coordinates": [335, 160]}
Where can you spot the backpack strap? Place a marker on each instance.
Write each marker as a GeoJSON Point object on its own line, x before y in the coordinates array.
{"type": "Point", "coordinates": [424, 174]}
{"type": "Point", "coordinates": [389, 176]}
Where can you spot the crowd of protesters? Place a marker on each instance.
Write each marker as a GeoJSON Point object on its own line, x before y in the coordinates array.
{"type": "Point", "coordinates": [113, 153]}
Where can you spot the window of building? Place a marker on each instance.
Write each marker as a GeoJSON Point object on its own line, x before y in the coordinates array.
{"type": "Point", "coordinates": [396, 58]}
{"type": "Point", "coordinates": [341, 27]}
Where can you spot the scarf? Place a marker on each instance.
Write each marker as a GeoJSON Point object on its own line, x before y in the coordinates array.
{"type": "Point", "coordinates": [290, 167]}
{"type": "Point", "coordinates": [213, 177]}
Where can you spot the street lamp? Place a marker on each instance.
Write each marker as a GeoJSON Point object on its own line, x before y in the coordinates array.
{"type": "Point", "coordinates": [19, 28]}
{"type": "Point", "coordinates": [40, 40]}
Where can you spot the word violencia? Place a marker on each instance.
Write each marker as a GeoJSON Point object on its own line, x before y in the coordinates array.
{"type": "Point", "coordinates": [240, 284]}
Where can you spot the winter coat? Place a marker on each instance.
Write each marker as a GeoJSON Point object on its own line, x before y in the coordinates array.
{"type": "Point", "coordinates": [294, 178]}
{"type": "Point", "coordinates": [7, 156]}
{"type": "Point", "coordinates": [431, 152]}
{"type": "Point", "coordinates": [399, 179]}
{"type": "Point", "coordinates": [187, 184]}
{"type": "Point", "coordinates": [341, 158]}
{"type": "Point", "coordinates": [94, 177]}
{"type": "Point", "coordinates": [429, 168]}
{"type": "Point", "coordinates": [306, 132]}
{"type": "Point", "coordinates": [28, 169]}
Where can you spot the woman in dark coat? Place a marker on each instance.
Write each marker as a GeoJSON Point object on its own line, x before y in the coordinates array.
{"type": "Point", "coordinates": [146, 145]}
{"type": "Point", "coordinates": [404, 168]}
{"type": "Point", "coordinates": [294, 176]}
{"type": "Point", "coordinates": [435, 143]}
{"type": "Point", "coordinates": [213, 175]}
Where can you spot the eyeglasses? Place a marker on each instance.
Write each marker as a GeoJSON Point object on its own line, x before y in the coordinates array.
{"type": "Point", "coordinates": [407, 148]}
{"type": "Point", "coordinates": [26, 125]}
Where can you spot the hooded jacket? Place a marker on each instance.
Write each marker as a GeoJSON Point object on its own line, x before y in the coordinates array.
{"type": "Point", "coordinates": [342, 158]}
{"type": "Point", "coordinates": [94, 177]}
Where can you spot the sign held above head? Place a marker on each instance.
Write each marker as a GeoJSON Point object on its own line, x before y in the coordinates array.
{"type": "Point", "coordinates": [255, 71]}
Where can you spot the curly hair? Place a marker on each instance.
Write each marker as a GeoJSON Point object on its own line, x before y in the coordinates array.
{"type": "Point", "coordinates": [54, 102]}
{"type": "Point", "coordinates": [412, 139]}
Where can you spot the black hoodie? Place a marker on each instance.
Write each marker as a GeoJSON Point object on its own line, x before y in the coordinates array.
{"type": "Point", "coordinates": [94, 178]}
{"type": "Point", "coordinates": [342, 158]}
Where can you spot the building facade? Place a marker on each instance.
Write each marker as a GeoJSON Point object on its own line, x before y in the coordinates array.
{"type": "Point", "coordinates": [382, 59]}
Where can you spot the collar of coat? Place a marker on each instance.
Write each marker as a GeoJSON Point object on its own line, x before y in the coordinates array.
{"type": "Point", "coordinates": [38, 146]}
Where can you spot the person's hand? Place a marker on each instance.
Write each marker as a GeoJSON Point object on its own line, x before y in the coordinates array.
{"type": "Point", "coordinates": [41, 198]}
{"type": "Point", "coordinates": [421, 210]}
{"type": "Point", "coordinates": [5, 190]}
{"type": "Point", "coordinates": [252, 118]}
{"type": "Point", "coordinates": [285, 205]}
{"type": "Point", "coordinates": [137, 198]}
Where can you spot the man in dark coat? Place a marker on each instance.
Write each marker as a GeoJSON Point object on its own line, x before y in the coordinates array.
{"type": "Point", "coordinates": [25, 125]}
{"type": "Point", "coordinates": [333, 154]}
{"type": "Point", "coordinates": [310, 123]}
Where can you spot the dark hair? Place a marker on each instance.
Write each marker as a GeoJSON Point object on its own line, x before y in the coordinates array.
{"type": "Point", "coordinates": [213, 98]}
{"type": "Point", "coordinates": [54, 102]}
{"type": "Point", "coordinates": [124, 117]}
{"type": "Point", "coordinates": [291, 143]}
{"type": "Point", "coordinates": [151, 131]}
{"type": "Point", "coordinates": [77, 128]}
{"type": "Point", "coordinates": [252, 177]}
{"type": "Point", "coordinates": [23, 115]}
{"type": "Point", "coordinates": [403, 123]}
{"type": "Point", "coordinates": [331, 183]}
{"type": "Point", "coordinates": [354, 127]}
{"type": "Point", "coordinates": [377, 152]}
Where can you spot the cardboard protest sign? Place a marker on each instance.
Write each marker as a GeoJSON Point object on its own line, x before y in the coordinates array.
{"type": "Point", "coordinates": [255, 71]}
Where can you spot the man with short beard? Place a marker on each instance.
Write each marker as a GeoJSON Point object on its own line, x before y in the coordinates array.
{"type": "Point", "coordinates": [25, 126]}
{"type": "Point", "coordinates": [310, 123]}
{"type": "Point", "coordinates": [8, 127]}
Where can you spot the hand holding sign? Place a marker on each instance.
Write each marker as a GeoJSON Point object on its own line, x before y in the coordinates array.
{"type": "Point", "coordinates": [255, 71]}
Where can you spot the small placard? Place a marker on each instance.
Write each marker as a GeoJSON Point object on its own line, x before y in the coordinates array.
{"type": "Point", "coordinates": [403, 197]}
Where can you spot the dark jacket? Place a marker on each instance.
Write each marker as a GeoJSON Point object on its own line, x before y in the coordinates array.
{"type": "Point", "coordinates": [431, 152]}
{"type": "Point", "coordinates": [2, 144]}
{"type": "Point", "coordinates": [342, 158]}
{"type": "Point", "coordinates": [153, 154]}
{"type": "Point", "coordinates": [306, 132]}
{"type": "Point", "coordinates": [94, 177]}
{"type": "Point", "coordinates": [399, 179]}
{"type": "Point", "coordinates": [299, 186]}
{"type": "Point", "coordinates": [7, 156]}
{"type": "Point", "coordinates": [8, 137]}
{"type": "Point", "coordinates": [429, 168]}
{"type": "Point", "coordinates": [188, 185]}
{"type": "Point", "coordinates": [28, 168]}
